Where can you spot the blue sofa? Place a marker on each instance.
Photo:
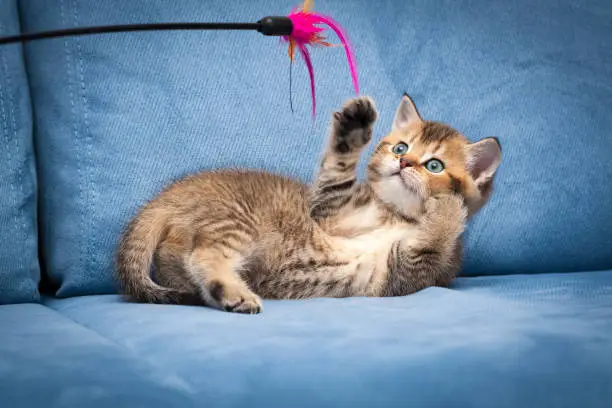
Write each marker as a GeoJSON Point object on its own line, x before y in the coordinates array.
{"type": "Point", "coordinates": [93, 127]}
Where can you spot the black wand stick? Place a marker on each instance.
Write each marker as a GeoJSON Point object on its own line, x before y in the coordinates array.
{"type": "Point", "coordinates": [274, 26]}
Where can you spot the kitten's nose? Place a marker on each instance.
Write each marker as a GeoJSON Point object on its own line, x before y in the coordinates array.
{"type": "Point", "coordinates": [404, 162]}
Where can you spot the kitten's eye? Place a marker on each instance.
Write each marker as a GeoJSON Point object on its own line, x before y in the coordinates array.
{"type": "Point", "coordinates": [434, 166]}
{"type": "Point", "coordinates": [400, 148]}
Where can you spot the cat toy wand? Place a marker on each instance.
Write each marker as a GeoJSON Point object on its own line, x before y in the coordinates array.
{"type": "Point", "coordinates": [300, 29]}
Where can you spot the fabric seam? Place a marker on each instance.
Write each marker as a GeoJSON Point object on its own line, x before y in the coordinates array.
{"type": "Point", "coordinates": [75, 132]}
{"type": "Point", "coordinates": [87, 139]}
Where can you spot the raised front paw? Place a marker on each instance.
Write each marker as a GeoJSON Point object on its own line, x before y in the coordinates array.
{"type": "Point", "coordinates": [352, 126]}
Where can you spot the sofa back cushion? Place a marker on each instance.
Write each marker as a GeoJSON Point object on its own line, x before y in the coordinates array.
{"type": "Point", "coordinates": [121, 115]}
{"type": "Point", "coordinates": [19, 271]}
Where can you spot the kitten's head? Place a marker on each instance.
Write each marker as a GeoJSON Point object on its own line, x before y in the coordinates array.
{"type": "Point", "coordinates": [419, 158]}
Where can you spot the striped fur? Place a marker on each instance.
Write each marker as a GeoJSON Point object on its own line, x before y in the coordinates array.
{"type": "Point", "coordinates": [228, 238]}
{"type": "Point", "coordinates": [335, 185]}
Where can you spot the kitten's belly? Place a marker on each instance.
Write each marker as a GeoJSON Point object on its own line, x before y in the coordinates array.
{"type": "Point", "coordinates": [367, 256]}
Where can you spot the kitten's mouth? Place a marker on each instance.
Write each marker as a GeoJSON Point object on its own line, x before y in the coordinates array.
{"type": "Point", "coordinates": [409, 181]}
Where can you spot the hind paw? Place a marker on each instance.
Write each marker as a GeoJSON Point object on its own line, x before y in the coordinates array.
{"type": "Point", "coordinates": [233, 297]}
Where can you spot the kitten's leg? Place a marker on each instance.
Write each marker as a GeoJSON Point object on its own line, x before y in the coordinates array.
{"type": "Point", "coordinates": [169, 268]}
{"type": "Point", "coordinates": [215, 272]}
{"type": "Point", "coordinates": [433, 257]}
{"type": "Point", "coordinates": [351, 131]}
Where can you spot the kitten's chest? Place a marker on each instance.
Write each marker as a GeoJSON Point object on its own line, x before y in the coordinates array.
{"type": "Point", "coordinates": [375, 243]}
{"type": "Point", "coordinates": [362, 234]}
{"type": "Point", "coordinates": [366, 257]}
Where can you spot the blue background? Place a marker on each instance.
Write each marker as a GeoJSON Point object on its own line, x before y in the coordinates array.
{"type": "Point", "coordinates": [120, 116]}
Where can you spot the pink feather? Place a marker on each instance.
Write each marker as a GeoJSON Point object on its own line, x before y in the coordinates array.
{"type": "Point", "coordinates": [306, 56]}
{"type": "Point", "coordinates": [350, 55]}
{"type": "Point", "coordinates": [306, 32]}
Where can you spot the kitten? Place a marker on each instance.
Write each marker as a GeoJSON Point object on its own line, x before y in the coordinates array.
{"type": "Point", "coordinates": [224, 238]}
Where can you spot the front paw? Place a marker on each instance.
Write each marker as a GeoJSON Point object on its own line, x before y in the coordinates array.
{"type": "Point", "coordinates": [447, 213]}
{"type": "Point", "coordinates": [352, 126]}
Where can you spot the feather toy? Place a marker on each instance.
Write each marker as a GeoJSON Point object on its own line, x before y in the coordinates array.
{"type": "Point", "coordinates": [307, 32]}
{"type": "Point", "coordinates": [301, 29]}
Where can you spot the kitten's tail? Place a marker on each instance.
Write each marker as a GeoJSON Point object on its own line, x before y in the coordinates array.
{"type": "Point", "coordinates": [135, 256]}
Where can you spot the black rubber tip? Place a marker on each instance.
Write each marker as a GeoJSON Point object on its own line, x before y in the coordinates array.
{"type": "Point", "coordinates": [275, 25]}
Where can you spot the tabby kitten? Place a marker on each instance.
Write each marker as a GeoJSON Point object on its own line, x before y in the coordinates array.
{"type": "Point", "coordinates": [225, 238]}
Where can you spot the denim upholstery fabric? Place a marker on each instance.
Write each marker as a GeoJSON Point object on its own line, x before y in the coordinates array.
{"type": "Point", "coordinates": [527, 341]}
{"type": "Point", "coordinates": [119, 116]}
{"type": "Point", "coordinates": [47, 360]}
{"type": "Point", "coordinates": [19, 270]}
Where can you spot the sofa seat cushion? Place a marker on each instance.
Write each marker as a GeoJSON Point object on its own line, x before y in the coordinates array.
{"type": "Point", "coordinates": [513, 341]}
{"type": "Point", "coordinates": [48, 360]}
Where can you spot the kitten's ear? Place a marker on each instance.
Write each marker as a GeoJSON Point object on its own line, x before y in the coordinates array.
{"type": "Point", "coordinates": [406, 113]}
{"type": "Point", "coordinates": [483, 159]}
